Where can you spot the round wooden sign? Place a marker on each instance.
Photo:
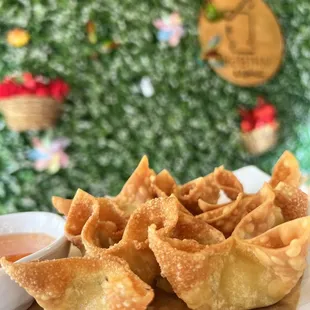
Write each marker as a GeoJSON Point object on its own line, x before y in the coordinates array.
{"type": "Point", "coordinates": [243, 43]}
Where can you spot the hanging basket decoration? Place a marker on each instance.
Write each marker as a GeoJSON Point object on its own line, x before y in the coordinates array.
{"type": "Point", "coordinates": [31, 103]}
{"type": "Point", "coordinates": [259, 127]}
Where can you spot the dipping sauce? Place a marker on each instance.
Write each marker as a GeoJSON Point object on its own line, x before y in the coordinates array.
{"type": "Point", "coordinates": [17, 246]}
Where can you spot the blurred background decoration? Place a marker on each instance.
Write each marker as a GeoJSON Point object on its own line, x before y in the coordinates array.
{"type": "Point", "coordinates": [170, 29]}
{"type": "Point", "coordinates": [187, 120]}
{"type": "Point", "coordinates": [259, 127]}
{"type": "Point", "coordinates": [31, 102]}
{"type": "Point", "coordinates": [49, 154]}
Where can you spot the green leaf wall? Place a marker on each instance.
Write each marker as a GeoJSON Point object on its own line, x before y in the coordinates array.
{"type": "Point", "coordinates": [189, 126]}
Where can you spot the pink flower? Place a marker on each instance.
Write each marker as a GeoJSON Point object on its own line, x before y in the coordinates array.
{"type": "Point", "coordinates": [59, 89]}
{"type": "Point", "coordinates": [49, 154]}
{"type": "Point", "coordinates": [170, 28]}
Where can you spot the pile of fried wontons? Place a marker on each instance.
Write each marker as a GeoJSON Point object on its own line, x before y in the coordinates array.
{"type": "Point", "coordinates": [160, 245]}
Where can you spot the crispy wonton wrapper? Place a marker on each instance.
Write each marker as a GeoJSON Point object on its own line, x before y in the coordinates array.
{"type": "Point", "coordinates": [226, 217]}
{"type": "Point", "coordinates": [137, 189]}
{"type": "Point", "coordinates": [62, 205]}
{"type": "Point", "coordinates": [289, 302]}
{"type": "Point", "coordinates": [227, 182]}
{"type": "Point", "coordinates": [81, 283]}
{"type": "Point", "coordinates": [164, 212]}
{"type": "Point", "coordinates": [135, 252]}
{"type": "Point", "coordinates": [256, 267]}
{"type": "Point", "coordinates": [164, 184]}
{"type": "Point", "coordinates": [111, 220]}
{"type": "Point", "coordinates": [286, 170]}
{"type": "Point", "coordinates": [176, 244]}
{"type": "Point", "coordinates": [203, 188]}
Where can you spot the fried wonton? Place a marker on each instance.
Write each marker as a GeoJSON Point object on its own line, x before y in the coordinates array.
{"type": "Point", "coordinates": [81, 283]}
{"type": "Point", "coordinates": [227, 182]}
{"type": "Point", "coordinates": [163, 212]}
{"type": "Point", "coordinates": [137, 189]}
{"type": "Point", "coordinates": [292, 201]}
{"type": "Point", "coordinates": [203, 188]}
{"type": "Point", "coordinates": [111, 220]}
{"type": "Point", "coordinates": [62, 205]}
{"type": "Point", "coordinates": [137, 254]}
{"type": "Point", "coordinates": [156, 232]}
{"type": "Point", "coordinates": [164, 184]}
{"type": "Point", "coordinates": [225, 217]}
{"type": "Point", "coordinates": [286, 170]}
{"type": "Point", "coordinates": [289, 302]}
{"type": "Point", "coordinates": [256, 267]}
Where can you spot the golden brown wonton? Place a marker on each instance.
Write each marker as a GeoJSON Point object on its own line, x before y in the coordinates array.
{"type": "Point", "coordinates": [62, 205]}
{"type": "Point", "coordinates": [134, 245]}
{"type": "Point", "coordinates": [164, 184]}
{"type": "Point", "coordinates": [82, 283]}
{"type": "Point", "coordinates": [227, 182]}
{"type": "Point", "coordinates": [248, 253]}
{"type": "Point", "coordinates": [226, 217]}
{"type": "Point", "coordinates": [233, 274]}
{"type": "Point", "coordinates": [203, 188]}
{"type": "Point", "coordinates": [286, 170]}
{"type": "Point", "coordinates": [111, 220]}
{"type": "Point", "coordinates": [137, 189]}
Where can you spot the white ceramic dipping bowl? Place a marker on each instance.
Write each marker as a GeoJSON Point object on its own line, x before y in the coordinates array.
{"type": "Point", "coordinates": [12, 296]}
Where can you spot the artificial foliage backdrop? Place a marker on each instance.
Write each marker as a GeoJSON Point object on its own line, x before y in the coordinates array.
{"type": "Point", "coordinates": [189, 125]}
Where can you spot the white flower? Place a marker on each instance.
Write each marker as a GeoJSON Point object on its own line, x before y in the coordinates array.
{"type": "Point", "coordinates": [146, 86]}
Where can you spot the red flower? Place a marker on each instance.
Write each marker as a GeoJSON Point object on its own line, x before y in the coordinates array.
{"type": "Point", "coordinates": [35, 85]}
{"type": "Point", "coordinates": [3, 91]}
{"type": "Point", "coordinates": [8, 88]}
{"type": "Point", "coordinates": [42, 90]}
{"type": "Point", "coordinates": [246, 126]}
{"type": "Point", "coordinates": [29, 81]}
{"type": "Point", "coordinates": [59, 89]}
{"type": "Point", "coordinates": [264, 113]}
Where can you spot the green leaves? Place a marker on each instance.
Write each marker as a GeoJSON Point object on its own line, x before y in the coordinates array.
{"type": "Point", "coordinates": [189, 125]}
{"type": "Point", "coordinates": [212, 13]}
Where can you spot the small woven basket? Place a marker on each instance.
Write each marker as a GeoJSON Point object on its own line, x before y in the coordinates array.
{"type": "Point", "coordinates": [30, 112]}
{"type": "Point", "coordinates": [261, 140]}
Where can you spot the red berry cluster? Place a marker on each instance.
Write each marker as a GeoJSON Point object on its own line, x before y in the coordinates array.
{"type": "Point", "coordinates": [264, 113]}
{"type": "Point", "coordinates": [33, 85]}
